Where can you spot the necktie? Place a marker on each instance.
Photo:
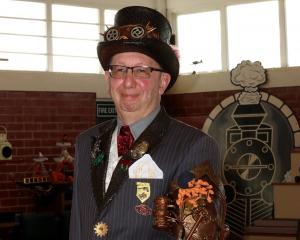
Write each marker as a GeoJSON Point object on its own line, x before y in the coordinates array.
{"type": "Point", "coordinates": [125, 139]}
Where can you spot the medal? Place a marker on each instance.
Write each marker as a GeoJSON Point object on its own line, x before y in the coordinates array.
{"type": "Point", "coordinates": [101, 229]}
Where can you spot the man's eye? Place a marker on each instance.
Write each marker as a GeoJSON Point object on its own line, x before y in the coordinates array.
{"type": "Point", "coordinates": [140, 70]}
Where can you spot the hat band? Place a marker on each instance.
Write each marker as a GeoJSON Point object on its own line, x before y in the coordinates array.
{"type": "Point", "coordinates": [132, 31]}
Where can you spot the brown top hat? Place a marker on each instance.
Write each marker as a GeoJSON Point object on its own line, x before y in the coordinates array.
{"type": "Point", "coordinates": [143, 30]}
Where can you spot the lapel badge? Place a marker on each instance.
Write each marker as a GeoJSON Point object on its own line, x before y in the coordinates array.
{"type": "Point", "coordinates": [98, 160]}
{"type": "Point", "coordinates": [143, 209]}
{"type": "Point", "coordinates": [139, 150]}
{"type": "Point", "coordinates": [142, 191]}
{"type": "Point", "coordinates": [97, 154]}
{"type": "Point", "coordinates": [101, 229]}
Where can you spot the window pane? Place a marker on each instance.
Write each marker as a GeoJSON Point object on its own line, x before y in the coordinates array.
{"type": "Point", "coordinates": [22, 9]}
{"type": "Point", "coordinates": [293, 33]}
{"type": "Point", "coordinates": [75, 64]}
{"type": "Point", "coordinates": [73, 47]}
{"type": "Point", "coordinates": [17, 26]}
{"type": "Point", "coordinates": [75, 30]}
{"type": "Point", "coordinates": [23, 62]}
{"type": "Point", "coordinates": [74, 14]}
{"type": "Point", "coordinates": [24, 44]}
{"type": "Point", "coordinates": [109, 17]}
{"type": "Point", "coordinates": [253, 33]}
{"type": "Point", "coordinates": [201, 42]}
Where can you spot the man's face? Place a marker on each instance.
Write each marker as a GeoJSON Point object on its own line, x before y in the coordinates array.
{"type": "Point", "coordinates": [136, 97]}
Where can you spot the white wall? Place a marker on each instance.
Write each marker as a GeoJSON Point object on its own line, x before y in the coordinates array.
{"type": "Point", "coordinates": [71, 82]}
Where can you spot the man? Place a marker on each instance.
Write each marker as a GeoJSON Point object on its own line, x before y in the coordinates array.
{"type": "Point", "coordinates": [115, 187]}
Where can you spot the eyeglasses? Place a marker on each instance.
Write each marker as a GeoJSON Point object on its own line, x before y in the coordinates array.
{"type": "Point", "coordinates": [138, 72]}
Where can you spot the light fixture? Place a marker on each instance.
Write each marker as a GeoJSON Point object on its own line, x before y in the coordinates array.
{"type": "Point", "coordinates": [5, 146]}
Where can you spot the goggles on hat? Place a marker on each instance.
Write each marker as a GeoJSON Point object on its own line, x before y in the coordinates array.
{"type": "Point", "coordinates": [136, 31]}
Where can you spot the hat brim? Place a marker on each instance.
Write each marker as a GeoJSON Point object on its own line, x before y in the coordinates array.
{"type": "Point", "coordinates": [161, 52]}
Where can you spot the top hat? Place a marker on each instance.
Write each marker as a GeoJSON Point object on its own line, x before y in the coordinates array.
{"type": "Point", "coordinates": [144, 30]}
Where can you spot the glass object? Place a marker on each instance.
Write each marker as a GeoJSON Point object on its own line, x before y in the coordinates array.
{"type": "Point", "coordinates": [292, 30]}
{"type": "Point", "coordinates": [199, 42]}
{"type": "Point", "coordinates": [253, 33]}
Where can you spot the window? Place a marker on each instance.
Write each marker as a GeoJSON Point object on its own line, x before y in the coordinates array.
{"type": "Point", "coordinates": [199, 40]}
{"type": "Point", "coordinates": [23, 35]}
{"type": "Point", "coordinates": [109, 16]}
{"type": "Point", "coordinates": [75, 35]}
{"type": "Point", "coordinates": [253, 33]}
{"type": "Point", "coordinates": [293, 34]}
{"type": "Point", "coordinates": [43, 36]}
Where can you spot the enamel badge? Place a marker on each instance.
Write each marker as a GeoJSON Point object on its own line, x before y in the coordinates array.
{"type": "Point", "coordinates": [101, 229]}
{"type": "Point", "coordinates": [143, 191]}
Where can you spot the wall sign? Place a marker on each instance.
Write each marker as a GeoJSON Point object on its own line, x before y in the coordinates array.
{"type": "Point", "coordinates": [105, 110]}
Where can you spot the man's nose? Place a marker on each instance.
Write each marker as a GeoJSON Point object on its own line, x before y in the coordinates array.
{"type": "Point", "coordinates": [129, 80]}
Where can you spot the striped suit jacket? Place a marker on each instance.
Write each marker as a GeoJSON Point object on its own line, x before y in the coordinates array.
{"type": "Point", "coordinates": [174, 146]}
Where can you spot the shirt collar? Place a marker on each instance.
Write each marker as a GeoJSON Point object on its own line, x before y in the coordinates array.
{"type": "Point", "coordinates": [138, 127]}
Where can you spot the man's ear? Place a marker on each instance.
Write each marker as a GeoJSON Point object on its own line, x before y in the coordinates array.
{"type": "Point", "coordinates": [106, 75]}
{"type": "Point", "coordinates": [106, 78]}
{"type": "Point", "coordinates": [165, 80]}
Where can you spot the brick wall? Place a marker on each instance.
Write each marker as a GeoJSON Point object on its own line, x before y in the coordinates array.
{"type": "Point", "coordinates": [193, 108]}
{"type": "Point", "coordinates": [35, 122]}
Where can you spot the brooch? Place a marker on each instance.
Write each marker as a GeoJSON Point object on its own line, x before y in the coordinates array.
{"type": "Point", "coordinates": [101, 229]}
{"type": "Point", "coordinates": [97, 154]}
{"type": "Point", "coordinates": [139, 150]}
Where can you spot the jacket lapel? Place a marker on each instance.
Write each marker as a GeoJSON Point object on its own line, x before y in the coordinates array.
{"type": "Point", "coordinates": [100, 148]}
{"type": "Point", "coordinates": [153, 135]}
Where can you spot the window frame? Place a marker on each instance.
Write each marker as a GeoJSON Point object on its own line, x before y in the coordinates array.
{"type": "Point", "coordinates": [222, 6]}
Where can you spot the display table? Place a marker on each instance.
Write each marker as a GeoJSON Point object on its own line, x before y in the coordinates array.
{"type": "Point", "coordinates": [49, 196]}
{"type": "Point", "coordinates": [287, 202]}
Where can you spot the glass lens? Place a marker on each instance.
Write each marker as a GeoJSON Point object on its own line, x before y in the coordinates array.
{"type": "Point", "coordinates": [117, 71]}
{"type": "Point", "coordinates": [141, 72]}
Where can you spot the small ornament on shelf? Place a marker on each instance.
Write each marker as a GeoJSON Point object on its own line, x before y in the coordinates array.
{"type": "Point", "coordinates": [64, 168]}
{"type": "Point", "coordinates": [39, 167]}
{"type": "Point", "coordinates": [65, 155]}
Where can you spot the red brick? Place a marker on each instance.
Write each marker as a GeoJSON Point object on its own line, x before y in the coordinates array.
{"type": "Point", "coordinates": [5, 168]}
{"type": "Point", "coordinates": [7, 118]}
{"type": "Point", "coordinates": [47, 143]}
{"type": "Point", "coordinates": [32, 126]}
{"type": "Point", "coordinates": [16, 143]}
{"type": "Point", "coordinates": [9, 202]}
{"type": "Point", "coordinates": [3, 176]}
{"type": "Point", "coordinates": [23, 135]}
{"type": "Point", "coordinates": [4, 194]}
{"type": "Point", "coordinates": [40, 135]}
{"type": "Point", "coordinates": [3, 94]}
{"type": "Point", "coordinates": [49, 126]}
{"type": "Point", "coordinates": [32, 143]}
{"type": "Point", "coordinates": [24, 151]}
{"type": "Point", "coordinates": [15, 127]}
{"type": "Point", "coordinates": [10, 110]}
{"type": "Point", "coordinates": [24, 118]}
{"type": "Point", "coordinates": [18, 193]}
